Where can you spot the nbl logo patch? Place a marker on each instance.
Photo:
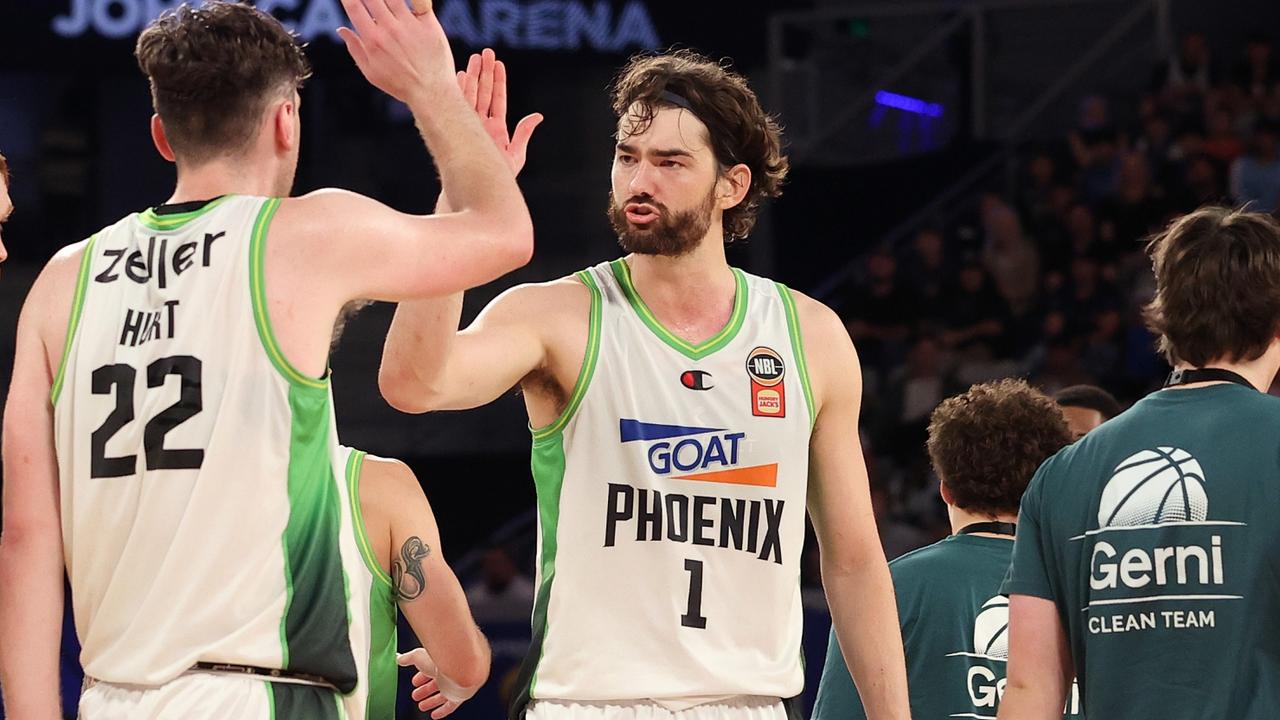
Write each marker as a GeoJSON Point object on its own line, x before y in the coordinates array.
{"type": "Point", "coordinates": [768, 394]}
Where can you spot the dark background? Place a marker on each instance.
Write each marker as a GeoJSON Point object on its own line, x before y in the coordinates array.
{"type": "Point", "coordinates": [867, 178]}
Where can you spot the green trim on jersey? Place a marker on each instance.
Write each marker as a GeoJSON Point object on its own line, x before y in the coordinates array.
{"type": "Point", "coordinates": [797, 349]}
{"type": "Point", "coordinates": [588, 362]}
{"type": "Point", "coordinates": [291, 701]}
{"type": "Point", "coordinates": [383, 672]}
{"type": "Point", "coordinates": [548, 463]}
{"type": "Point", "coordinates": [150, 219]}
{"type": "Point", "coordinates": [684, 347]}
{"type": "Point", "coordinates": [355, 464]}
{"type": "Point", "coordinates": [73, 322]}
{"type": "Point", "coordinates": [258, 293]}
{"type": "Point", "coordinates": [316, 620]}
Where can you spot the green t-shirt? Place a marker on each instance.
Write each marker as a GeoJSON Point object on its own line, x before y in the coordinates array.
{"type": "Point", "coordinates": [1157, 537]}
{"type": "Point", "coordinates": [954, 632]}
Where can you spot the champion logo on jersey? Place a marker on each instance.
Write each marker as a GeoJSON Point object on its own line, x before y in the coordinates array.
{"type": "Point", "coordinates": [697, 380]}
{"type": "Point", "coordinates": [766, 370]}
{"type": "Point", "coordinates": [696, 453]}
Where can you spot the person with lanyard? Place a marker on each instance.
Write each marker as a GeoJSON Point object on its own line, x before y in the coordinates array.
{"type": "Point", "coordinates": [1146, 554]}
{"type": "Point", "coordinates": [985, 444]}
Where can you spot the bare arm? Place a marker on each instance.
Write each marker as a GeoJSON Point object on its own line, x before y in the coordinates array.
{"type": "Point", "coordinates": [421, 337]}
{"type": "Point", "coordinates": [1040, 669]}
{"type": "Point", "coordinates": [370, 251]}
{"type": "Point", "coordinates": [31, 559]}
{"type": "Point", "coordinates": [854, 572]}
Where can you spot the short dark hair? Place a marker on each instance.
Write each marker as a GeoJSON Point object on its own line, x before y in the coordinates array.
{"type": "Point", "coordinates": [1090, 397]}
{"type": "Point", "coordinates": [740, 130]}
{"type": "Point", "coordinates": [987, 442]}
{"type": "Point", "coordinates": [213, 69]}
{"type": "Point", "coordinates": [1217, 286]}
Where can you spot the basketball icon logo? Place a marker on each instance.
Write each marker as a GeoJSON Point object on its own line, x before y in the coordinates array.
{"type": "Point", "coordinates": [991, 629]}
{"type": "Point", "coordinates": [1154, 487]}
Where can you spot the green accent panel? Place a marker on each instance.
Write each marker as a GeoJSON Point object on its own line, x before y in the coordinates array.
{"type": "Point", "coordinates": [797, 349]}
{"type": "Point", "coordinates": [355, 463]}
{"type": "Point", "coordinates": [588, 362]}
{"type": "Point", "coordinates": [314, 629]}
{"type": "Point", "coordinates": [258, 293]}
{"type": "Point", "coordinates": [383, 671]}
{"type": "Point", "coordinates": [150, 219]}
{"type": "Point", "coordinates": [694, 352]}
{"type": "Point", "coordinates": [290, 701]}
{"type": "Point", "coordinates": [548, 462]}
{"type": "Point", "coordinates": [77, 305]}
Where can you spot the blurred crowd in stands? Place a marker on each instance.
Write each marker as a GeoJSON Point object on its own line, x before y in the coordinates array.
{"type": "Point", "coordinates": [1049, 282]}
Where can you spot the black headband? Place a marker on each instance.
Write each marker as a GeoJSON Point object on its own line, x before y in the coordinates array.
{"type": "Point", "coordinates": [683, 103]}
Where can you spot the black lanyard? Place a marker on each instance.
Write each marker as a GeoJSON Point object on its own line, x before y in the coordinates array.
{"type": "Point", "coordinates": [1198, 375]}
{"type": "Point", "coordinates": [999, 528]}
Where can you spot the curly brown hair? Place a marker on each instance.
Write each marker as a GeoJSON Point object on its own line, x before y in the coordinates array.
{"type": "Point", "coordinates": [1217, 286]}
{"type": "Point", "coordinates": [739, 129]}
{"type": "Point", "coordinates": [213, 69]}
{"type": "Point", "coordinates": [986, 443]}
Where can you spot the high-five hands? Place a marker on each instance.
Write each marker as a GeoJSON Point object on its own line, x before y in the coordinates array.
{"type": "Point", "coordinates": [401, 52]}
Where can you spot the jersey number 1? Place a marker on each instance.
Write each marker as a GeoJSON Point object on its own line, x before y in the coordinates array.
{"type": "Point", "coordinates": [121, 379]}
{"type": "Point", "coordinates": [692, 616]}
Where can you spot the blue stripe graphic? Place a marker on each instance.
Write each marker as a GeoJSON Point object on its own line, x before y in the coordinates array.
{"type": "Point", "coordinates": [632, 430]}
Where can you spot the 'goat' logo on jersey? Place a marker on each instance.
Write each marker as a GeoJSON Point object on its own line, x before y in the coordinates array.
{"type": "Point", "coordinates": [696, 453]}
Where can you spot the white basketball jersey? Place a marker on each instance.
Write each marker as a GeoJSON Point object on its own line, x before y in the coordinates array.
{"type": "Point", "coordinates": [671, 501]}
{"type": "Point", "coordinates": [204, 510]}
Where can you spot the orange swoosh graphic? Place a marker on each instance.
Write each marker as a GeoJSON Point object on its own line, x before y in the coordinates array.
{"type": "Point", "coordinates": [759, 475]}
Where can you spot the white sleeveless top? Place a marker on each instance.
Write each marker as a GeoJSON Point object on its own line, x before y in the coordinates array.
{"type": "Point", "coordinates": [671, 501]}
{"type": "Point", "coordinates": [204, 510]}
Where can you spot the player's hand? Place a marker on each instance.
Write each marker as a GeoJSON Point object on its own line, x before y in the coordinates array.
{"type": "Point", "coordinates": [405, 55]}
{"type": "Point", "coordinates": [433, 692]}
{"type": "Point", "coordinates": [484, 85]}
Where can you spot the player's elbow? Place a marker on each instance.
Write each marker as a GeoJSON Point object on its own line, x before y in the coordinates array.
{"type": "Point", "coordinates": [515, 241]}
{"type": "Point", "coordinates": [473, 674]}
{"type": "Point", "coordinates": [406, 392]}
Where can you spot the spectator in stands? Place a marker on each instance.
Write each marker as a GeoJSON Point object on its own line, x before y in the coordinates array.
{"type": "Point", "coordinates": [1255, 74]}
{"type": "Point", "coordinates": [1086, 407]}
{"type": "Point", "coordinates": [896, 536]}
{"type": "Point", "coordinates": [1186, 77]}
{"type": "Point", "coordinates": [502, 594]}
{"type": "Point", "coordinates": [1255, 178]}
{"type": "Point", "coordinates": [883, 312]}
{"type": "Point", "coordinates": [1009, 257]}
{"type": "Point", "coordinates": [1222, 144]}
{"type": "Point", "coordinates": [973, 310]}
{"type": "Point", "coordinates": [1133, 212]}
{"type": "Point", "coordinates": [927, 267]}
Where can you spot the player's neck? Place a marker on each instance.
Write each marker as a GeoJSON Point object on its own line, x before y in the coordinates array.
{"type": "Point", "coordinates": [698, 279]}
{"type": "Point", "coordinates": [1260, 372]}
{"type": "Point", "coordinates": [960, 518]}
{"type": "Point", "coordinates": [224, 177]}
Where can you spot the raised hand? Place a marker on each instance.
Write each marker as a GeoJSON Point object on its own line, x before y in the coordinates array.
{"type": "Point", "coordinates": [404, 54]}
{"type": "Point", "coordinates": [484, 85]}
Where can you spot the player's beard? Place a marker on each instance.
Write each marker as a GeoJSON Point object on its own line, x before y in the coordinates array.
{"type": "Point", "coordinates": [671, 235]}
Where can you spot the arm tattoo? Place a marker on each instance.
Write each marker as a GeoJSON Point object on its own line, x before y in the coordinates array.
{"type": "Point", "coordinates": [406, 571]}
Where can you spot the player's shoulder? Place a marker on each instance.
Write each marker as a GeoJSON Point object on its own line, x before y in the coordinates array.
{"type": "Point", "coordinates": [387, 476]}
{"type": "Point", "coordinates": [921, 559]}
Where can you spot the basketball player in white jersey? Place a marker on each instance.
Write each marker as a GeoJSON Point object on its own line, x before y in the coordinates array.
{"type": "Point", "coordinates": [169, 430]}
{"type": "Point", "coordinates": [404, 568]}
{"type": "Point", "coordinates": [679, 429]}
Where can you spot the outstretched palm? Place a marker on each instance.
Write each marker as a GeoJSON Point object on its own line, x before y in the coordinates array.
{"type": "Point", "coordinates": [484, 85]}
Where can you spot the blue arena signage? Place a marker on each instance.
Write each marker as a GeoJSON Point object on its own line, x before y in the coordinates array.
{"type": "Point", "coordinates": [598, 25]}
